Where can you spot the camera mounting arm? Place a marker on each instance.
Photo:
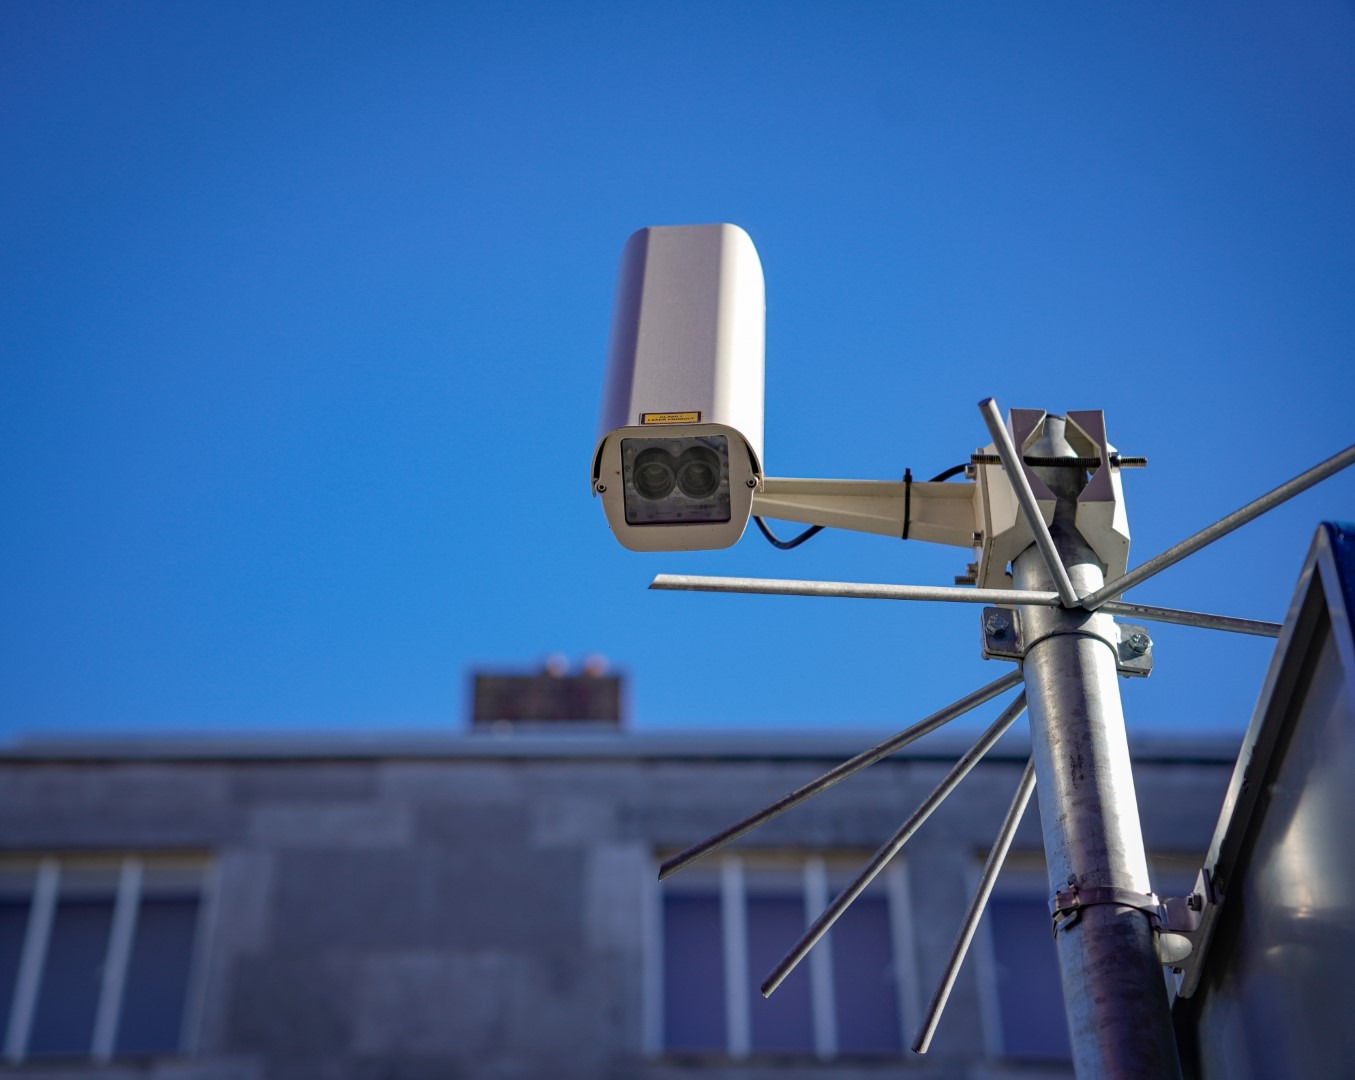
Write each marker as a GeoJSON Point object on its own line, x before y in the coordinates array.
{"type": "Point", "coordinates": [939, 512]}
{"type": "Point", "coordinates": [985, 513]}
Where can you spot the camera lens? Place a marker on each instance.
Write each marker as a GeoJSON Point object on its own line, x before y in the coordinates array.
{"type": "Point", "coordinates": [653, 472]}
{"type": "Point", "coordinates": [698, 472]}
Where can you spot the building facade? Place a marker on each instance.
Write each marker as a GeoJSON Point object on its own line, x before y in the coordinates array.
{"type": "Point", "coordinates": [486, 905]}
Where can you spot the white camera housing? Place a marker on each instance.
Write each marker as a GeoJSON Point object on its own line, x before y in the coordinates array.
{"type": "Point", "coordinates": [679, 451]}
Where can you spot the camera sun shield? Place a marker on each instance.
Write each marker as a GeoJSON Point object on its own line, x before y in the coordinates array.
{"type": "Point", "coordinates": [680, 428]}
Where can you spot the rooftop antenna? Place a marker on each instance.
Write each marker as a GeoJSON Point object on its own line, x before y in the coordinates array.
{"type": "Point", "coordinates": [1048, 524]}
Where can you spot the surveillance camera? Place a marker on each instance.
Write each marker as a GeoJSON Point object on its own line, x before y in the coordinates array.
{"type": "Point", "coordinates": [680, 429]}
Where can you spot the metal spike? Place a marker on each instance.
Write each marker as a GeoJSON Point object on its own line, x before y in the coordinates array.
{"type": "Point", "coordinates": [1222, 527]}
{"type": "Point", "coordinates": [840, 772]}
{"type": "Point", "coordinates": [893, 845]}
{"type": "Point", "coordinates": [991, 868]}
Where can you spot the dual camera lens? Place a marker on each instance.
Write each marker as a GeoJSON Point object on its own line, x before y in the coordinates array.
{"type": "Point", "coordinates": [696, 472]}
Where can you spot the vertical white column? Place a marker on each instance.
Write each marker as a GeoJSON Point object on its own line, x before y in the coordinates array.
{"type": "Point", "coordinates": [734, 923]}
{"type": "Point", "coordinates": [31, 960]}
{"type": "Point", "coordinates": [821, 988]}
{"type": "Point", "coordinates": [904, 946]}
{"type": "Point", "coordinates": [125, 909]}
{"type": "Point", "coordinates": [990, 1003]}
{"type": "Point", "coordinates": [651, 921]}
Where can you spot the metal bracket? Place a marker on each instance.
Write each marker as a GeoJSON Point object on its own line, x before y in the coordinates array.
{"type": "Point", "coordinates": [1177, 921]}
{"type": "Point", "coordinates": [1183, 922]}
{"type": "Point", "coordinates": [1002, 638]}
{"type": "Point", "coordinates": [934, 511]}
{"type": "Point", "coordinates": [1135, 651]}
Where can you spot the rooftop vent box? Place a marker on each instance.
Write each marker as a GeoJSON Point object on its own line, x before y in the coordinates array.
{"type": "Point", "coordinates": [546, 699]}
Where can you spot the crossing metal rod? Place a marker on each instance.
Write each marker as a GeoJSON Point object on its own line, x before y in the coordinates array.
{"type": "Point", "coordinates": [1001, 597]}
{"type": "Point", "coordinates": [893, 845]}
{"type": "Point", "coordinates": [1119, 1021]}
{"type": "Point", "coordinates": [840, 772]}
{"type": "Point", "coordinates": [1222, 527]}
{"type": "Point", "coordinates": [992, 866]}
{"type": "Point", "coordinates": [1030, 507]}
{"type": "Point", "coordinates": [849, 589]}
{"type": "Point", "coordinates": [1200, 619]}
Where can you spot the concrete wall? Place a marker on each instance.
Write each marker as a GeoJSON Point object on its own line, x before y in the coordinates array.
{"type": "Point", "coordinates": [447, 915]}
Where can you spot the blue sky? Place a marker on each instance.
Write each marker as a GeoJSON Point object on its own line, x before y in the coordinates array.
{"type": "Point", "coordinates": [303, 309]}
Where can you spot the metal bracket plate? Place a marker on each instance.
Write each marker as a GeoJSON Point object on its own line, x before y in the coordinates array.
{"type": "Point", "coordinates": [1185, 922]}
{"type": "Point", "coordinates": [1135, 651]}
{"type": "Point", "coordinates": [1001, 637]}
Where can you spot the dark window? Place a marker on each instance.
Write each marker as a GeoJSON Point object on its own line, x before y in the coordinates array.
{"type": "Point", "coordinates": [693, 974]}
{"type": "Point", "coordinates": [13, 924]}
{"type": "Point", "coordinates": [850, 1007]}
{"type": "Point", "coordinates": [157, 975]}
{"type": "Point", "coordinates": [784, 1022]}
{"type": "Point", "coordinates": [865, 983]}
{"type": "Point", "coordinates": [1030, 997]}
{"type": "Point", "coordinates": [112, 943]}
{"type": "Point", "coordinates": [68, 996]}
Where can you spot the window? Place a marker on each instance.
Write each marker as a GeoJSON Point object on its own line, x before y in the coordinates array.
{"type": "Point", "coordinates": [719, 930]}
{"type": "Point", "coordinates": [1023, 993]}
{"type": "Point", "coordinates": [96, 955]}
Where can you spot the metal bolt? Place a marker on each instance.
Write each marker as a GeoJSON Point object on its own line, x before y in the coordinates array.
{"type": "Point", "coordinates": [1140, 643]}
{"type": "Point", "coordinates": [996, 625]}
{"type": "Point", "coordinates": [752, 481]}
{"type": "Point", "coordinates": [602, 488]}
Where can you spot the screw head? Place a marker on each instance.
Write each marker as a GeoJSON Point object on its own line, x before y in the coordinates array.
{"type": "Point", "coordinates": [602, 488]}
{"type": "Point", "coordinates": [1140, 643]}
{"type": "Point", "coordinates": [752, 482]}
{"type": "Point", "coordinates": [996, 625]}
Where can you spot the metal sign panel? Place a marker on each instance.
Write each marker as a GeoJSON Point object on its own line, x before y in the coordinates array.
{"type": "Point", "coordinates": [1266, 993]}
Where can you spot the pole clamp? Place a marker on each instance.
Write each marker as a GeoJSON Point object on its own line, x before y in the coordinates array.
{"type": "Point", "coordinates": [1004, 638]}
{"type": "Point", "coordinates": [1066, 905]}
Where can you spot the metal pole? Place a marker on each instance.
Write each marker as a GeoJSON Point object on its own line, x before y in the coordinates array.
{"type": "Point", "coordinates": [1119, 1020]}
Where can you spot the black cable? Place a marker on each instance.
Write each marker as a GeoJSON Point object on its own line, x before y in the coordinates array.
{"type": "Point", "coordinates": [907, 500]}
{"type": "Point", "coordinates": [954, 470]}
{"type": "Point", "coordinates": [786, 545]}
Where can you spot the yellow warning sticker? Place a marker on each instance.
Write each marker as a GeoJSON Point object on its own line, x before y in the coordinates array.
{"type": "Point", "coordinates": [670, 418]}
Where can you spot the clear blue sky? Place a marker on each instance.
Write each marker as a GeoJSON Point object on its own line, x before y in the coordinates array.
{"type": "Point", "coordinates": [303, 311]}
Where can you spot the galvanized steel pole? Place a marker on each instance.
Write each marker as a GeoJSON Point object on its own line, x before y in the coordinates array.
{"type": "Point", "coordinates": [1115, 996]}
